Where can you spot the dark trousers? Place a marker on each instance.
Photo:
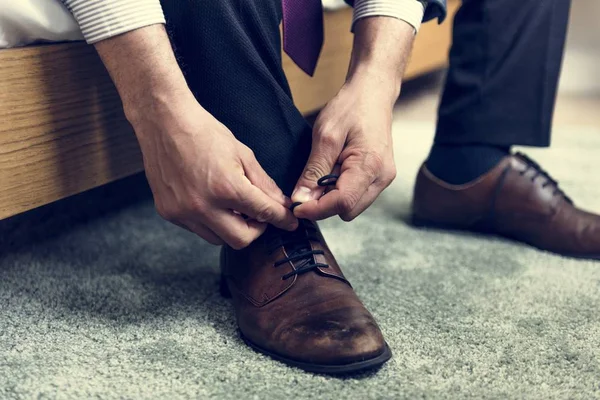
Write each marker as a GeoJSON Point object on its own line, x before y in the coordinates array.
{"type": "Point", "coordinates": [501, 85]}
{"type": "Point", "coordinates": [504, 68]}
{"type": "Point", "coordinates": [230, 52]}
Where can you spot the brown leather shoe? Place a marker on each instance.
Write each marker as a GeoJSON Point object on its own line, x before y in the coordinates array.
{"type": "Point", "coordinates": [516, 199]}
{"type": "Point", "coordinates": [293, 303]}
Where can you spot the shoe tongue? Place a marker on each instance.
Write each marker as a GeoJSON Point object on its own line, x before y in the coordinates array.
{"type": "Point", "coordinates": [297, 243]}
{"type": "Point", "coordinates": [294, 243]}
{"type": "Point", "coordinates": [297, 248]}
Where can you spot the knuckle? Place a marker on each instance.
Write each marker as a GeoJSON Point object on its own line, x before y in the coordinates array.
{"type": "Point", "coordinates": [235, 245]}
{"type": "Point", "coordinates": [325, 127]}
{"type": "Point", "coordinates": [165, 212]}
{"type": "Point", "coordinates": [271, 185]}
{"type": "Point", "coordinates": [347, 203]}
{"type": "Point", "coordinates": [328, 140]}
{"type": "Point", "coordinates": [248, 152]}
{"type": "Point", "coordinates": [265, 213]}
{"type": "Point", "coordinates": [239, 242]}
{"type": "Point", "coordinates": [315, 170]}
{"type": "Point", "coordinates": [224, 191]}
{"type": "Point", "coordinates": [373, 163]}
{"type": "Point", "coordinates": [390, 174]}
{"type": "Point", "coordinates": [196, 207]}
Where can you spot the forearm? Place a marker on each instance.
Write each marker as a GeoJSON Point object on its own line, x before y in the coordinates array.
{"type": "Point", "coordinates": [381, 51]}
{"type": "Point", "coordinates": [144, 70]}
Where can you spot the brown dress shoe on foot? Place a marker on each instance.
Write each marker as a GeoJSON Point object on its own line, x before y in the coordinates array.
{"type": "Point", "coordinates": [516, 199]}
{"type": "Point", "coordinates": [293, 303]}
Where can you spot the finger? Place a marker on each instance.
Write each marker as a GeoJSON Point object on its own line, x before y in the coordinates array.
{"type": "Point", "coordinates": [365, 202]}
{"type": "Point", "coordinates": [234, 230]}
{"type": "Point", "coordinates": [201, 231]}
{"type": "Point", "coordinates": [325, 152]}
{"type": "Point", "coordinates": [259, 178]}
{"type": "Point", "coordinates": [350, 188]}
{"type": "Point", "coordinates": [376, 188]}
{"type": "Point", "coordinates": [257, 205]}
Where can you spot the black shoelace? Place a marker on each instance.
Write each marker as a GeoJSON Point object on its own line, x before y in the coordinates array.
{"type": "Point", "coordinates": [539, 171]}
{"type": "Point", "coordinates": [299, 241]}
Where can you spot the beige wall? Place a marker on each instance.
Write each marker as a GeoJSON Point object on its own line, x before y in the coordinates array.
{"type": "Point", "coordinates": [582, 58]}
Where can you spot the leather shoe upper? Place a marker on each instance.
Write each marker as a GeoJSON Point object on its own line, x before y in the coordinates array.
{"type": "Point", "coordinates": [292, 299]}
{"type": "Point", "coordinates": [517, 199]}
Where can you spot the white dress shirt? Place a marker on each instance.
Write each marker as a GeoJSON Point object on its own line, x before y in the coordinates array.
{"type": "Point", "coordinates": [102, 19]}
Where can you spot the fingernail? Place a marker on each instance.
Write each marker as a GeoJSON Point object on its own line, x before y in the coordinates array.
{"type": "Point", "coordinates": [302, 195]}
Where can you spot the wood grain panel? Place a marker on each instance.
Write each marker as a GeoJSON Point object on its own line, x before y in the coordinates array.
{"type": "Point", "coordinates": [62, 129]}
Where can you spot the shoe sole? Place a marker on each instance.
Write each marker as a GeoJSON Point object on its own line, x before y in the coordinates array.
{"type": "Point", "coordinates": [423, 223]}
{"type": "Point", "coordinates": [329, 369]}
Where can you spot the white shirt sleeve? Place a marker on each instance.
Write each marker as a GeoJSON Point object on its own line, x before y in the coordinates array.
{"type": "Point", "coordinates": [410, 11]}
{"type": "Point", "coordinates": [102, 19]}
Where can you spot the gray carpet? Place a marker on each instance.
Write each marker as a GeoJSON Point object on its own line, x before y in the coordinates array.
{"type": "Point", "coordinates": [124, 305]}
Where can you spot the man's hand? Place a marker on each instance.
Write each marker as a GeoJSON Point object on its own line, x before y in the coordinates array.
{"type": "Point", "coordinates": [352, 135]}
{"type": "Point", "coordinates": [202, 178]}
{"type": "Point", "coordinates": [354, 132]}
{"type": "Point", "coordinates": [200, 174]}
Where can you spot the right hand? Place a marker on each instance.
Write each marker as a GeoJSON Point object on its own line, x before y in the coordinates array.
{"type": "Point", "coordinates": [203, 178]}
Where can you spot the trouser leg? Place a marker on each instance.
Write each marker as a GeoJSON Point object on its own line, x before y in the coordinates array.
{"type": "Point", "coordinates": [504, 69]}
{"type": "Point", "coordinates": [230, 53]}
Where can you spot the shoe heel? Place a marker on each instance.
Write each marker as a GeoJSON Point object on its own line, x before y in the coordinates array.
{"type": "Point", "coordinates": [224, 288]}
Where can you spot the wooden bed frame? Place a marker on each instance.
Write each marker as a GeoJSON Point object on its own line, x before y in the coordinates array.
{"type": "Point", "coordinates": [62, 129]}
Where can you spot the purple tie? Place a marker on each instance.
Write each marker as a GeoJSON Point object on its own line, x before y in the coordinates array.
{"type": "Point", "coordinates": [303, 32]}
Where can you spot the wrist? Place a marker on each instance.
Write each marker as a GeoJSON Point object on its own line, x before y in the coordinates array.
{"type": "Point", "coordinates": [380, 53]}
{"type": "Point", "coordinates": [144, 69]}
{"type": "Point", "coordinates": [156, 103]}
{"type": "Point", "coordinates": [385, 82]}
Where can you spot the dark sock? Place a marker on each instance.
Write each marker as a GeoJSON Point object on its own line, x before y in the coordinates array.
{"type": "Point", "coordinates": [461, 163]}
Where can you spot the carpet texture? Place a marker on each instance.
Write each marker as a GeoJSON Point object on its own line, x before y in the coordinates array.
{"type": "Point", "coordinates": [120, 304]}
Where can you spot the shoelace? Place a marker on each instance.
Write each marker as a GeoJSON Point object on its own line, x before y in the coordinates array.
{"type": "Point", "coordinates": [539, 171]}
{"type": "Point", "coordinates": [299, 241]}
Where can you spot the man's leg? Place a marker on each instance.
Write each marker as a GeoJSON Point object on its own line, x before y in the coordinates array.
{"type": "Point", "coordinates": [291, 299]}
{"type": "Point", "coordinates": [501, 86]}
{"type": "Point", "coordinates": [230, 52]}
{"type": "Point", "coordinates": [504, 70]}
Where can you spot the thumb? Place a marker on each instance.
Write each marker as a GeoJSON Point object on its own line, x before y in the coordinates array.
{"type": "Point", "coordinates": [321, 162]}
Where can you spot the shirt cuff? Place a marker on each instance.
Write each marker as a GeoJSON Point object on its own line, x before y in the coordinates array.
{"type": "Point", "coordinates": [410, 11]}
{"type": "Point", "coordinates": [102, 19]}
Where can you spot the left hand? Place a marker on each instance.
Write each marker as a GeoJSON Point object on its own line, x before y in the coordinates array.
{"type": "Point", "coordinates": [351, 137]}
